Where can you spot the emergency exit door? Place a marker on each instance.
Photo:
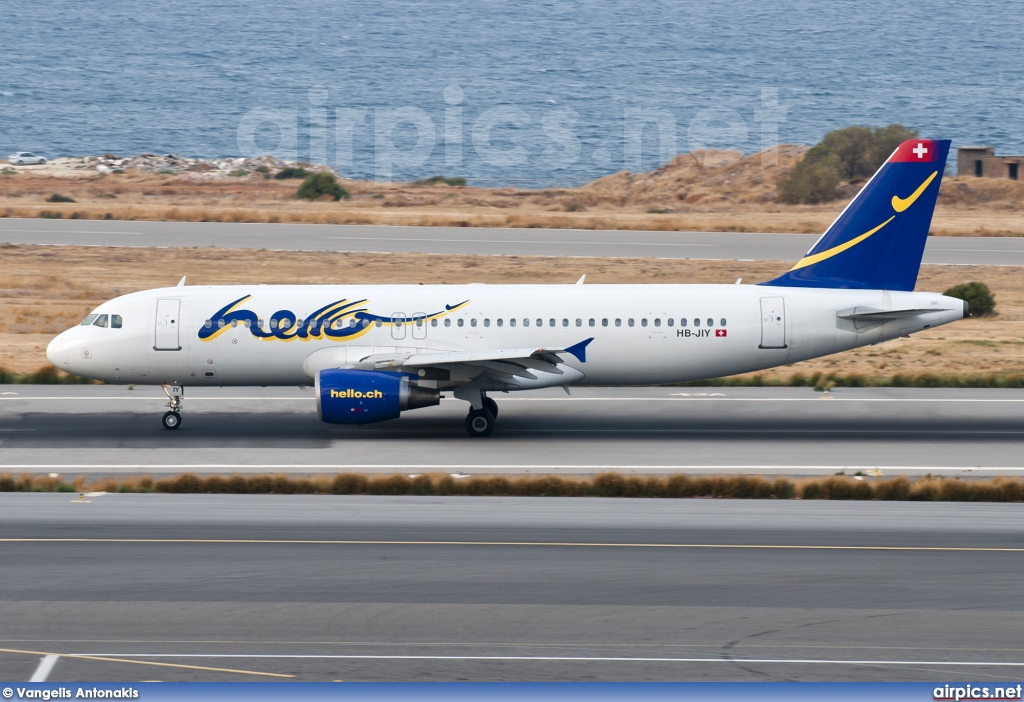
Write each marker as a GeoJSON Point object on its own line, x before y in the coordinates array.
{"type": "Point", "coordinates": [773, 323]}
{"type": "Point", "coordinates": [167, 324]}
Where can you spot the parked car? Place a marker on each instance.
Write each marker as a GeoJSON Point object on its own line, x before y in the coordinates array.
{"type": "Point", "coordinates": [24, 158]}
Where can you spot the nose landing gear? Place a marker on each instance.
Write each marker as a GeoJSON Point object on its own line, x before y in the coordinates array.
{"type": "Point", "coordinates": [176, 396]}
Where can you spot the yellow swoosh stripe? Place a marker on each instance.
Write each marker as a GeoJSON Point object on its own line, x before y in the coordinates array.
{"type": "Point", "coordinates": [899, 204]}
{"type": "Point", "coordinates": [816, 258]}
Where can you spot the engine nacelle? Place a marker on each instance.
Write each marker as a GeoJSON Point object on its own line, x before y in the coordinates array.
{"type": "Point", "coordinates": [364, 397]}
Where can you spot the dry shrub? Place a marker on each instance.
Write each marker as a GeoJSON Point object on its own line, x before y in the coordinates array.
{"type": "Point", "coordinates": [603, 485]}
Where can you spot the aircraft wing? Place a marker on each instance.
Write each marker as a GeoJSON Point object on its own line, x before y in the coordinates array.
{"type": "Point", "coordinates": [437, 358]}
{"type": "Point", "coordinates": [523, 367]}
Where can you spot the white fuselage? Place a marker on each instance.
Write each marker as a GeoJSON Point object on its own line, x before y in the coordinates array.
{"type": "Point", "coordinates": [638, 331]}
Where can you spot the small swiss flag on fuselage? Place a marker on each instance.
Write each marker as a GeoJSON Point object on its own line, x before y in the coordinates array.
{"type": "Point", "coordinates": [915, 151]}
{"type": "Point", "coordinates": [721, 332]}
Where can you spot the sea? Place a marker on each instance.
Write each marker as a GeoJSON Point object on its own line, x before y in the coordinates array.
{"type": "Point", "coordinates": [531, 93]}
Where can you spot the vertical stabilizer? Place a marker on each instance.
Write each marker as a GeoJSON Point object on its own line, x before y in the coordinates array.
{"type": "Point", "coordinates": [878, 241]}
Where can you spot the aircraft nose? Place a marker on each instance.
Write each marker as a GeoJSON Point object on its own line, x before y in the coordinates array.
{"type": "Point", "coordinates": [58, 350]}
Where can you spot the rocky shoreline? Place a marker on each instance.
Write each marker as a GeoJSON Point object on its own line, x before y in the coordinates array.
{"type": "Point", "coordinates": [169, 164]}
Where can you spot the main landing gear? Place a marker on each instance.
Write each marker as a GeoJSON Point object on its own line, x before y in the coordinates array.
{"type": "Point", "coordinates": [176, 396]}
{"type": "Point", "coordinates": [480, 422]}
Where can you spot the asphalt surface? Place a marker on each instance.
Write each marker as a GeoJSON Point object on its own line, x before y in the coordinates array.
{"type": "Point", "coordinates": [99, 429]}
{"type": "Point", "coordinates": [160, 587]}
{"type": "Point", "coordinates": [475, 240]}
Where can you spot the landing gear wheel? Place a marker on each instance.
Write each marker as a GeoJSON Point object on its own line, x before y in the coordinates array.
{"type": "Point", "coordinates": [480, 422]}
{"type": "Point", "coordinates": [171, 420]}
{"type": "Point", "coordinates": [491, 405]}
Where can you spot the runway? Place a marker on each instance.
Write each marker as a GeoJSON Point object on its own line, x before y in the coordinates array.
{"type": "Point", "coordinates": [273, 587]}
{"type": "Point", "coordinates": [96, 429]}
{"type": "Point", "coordinates": [475, 240]}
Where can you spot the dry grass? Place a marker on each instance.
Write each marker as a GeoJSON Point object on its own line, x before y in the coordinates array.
{"type": "Point", "coordinates": [48, 289]}
{"type": "Point", "coordinates": [603, 485]}
{"type": "Point", "coordinates": [705, 191]}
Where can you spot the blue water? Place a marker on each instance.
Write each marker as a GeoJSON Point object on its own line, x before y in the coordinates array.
{"type": "Point", "coordinates": [85, 77]}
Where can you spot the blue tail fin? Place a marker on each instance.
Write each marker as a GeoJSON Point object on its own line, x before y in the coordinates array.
{"type": "Point", "coordinates": [878, 241]}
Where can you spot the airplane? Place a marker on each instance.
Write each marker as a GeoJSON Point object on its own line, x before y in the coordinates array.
{"type": "Point", "coordinates": [374, 351]}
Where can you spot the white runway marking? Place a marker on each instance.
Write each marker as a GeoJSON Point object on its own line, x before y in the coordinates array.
{"type": "Point", "coordinates": [444, 467]}
{"type": "Point", "coordinates": [70, 231]}
{"type": "Point", "coordinates": [519, 241]}
{"type": "Point", "coordinates": [44, 669]}
{"type": "Point", "coordinates": [584, 659]}
{"type": "Point", "coordinates": [311, 396]}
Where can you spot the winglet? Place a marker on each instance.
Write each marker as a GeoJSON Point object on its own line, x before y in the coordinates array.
{"type": "Point", "coordinates": [579, 350]}
{"type": "Point", "coordinates": [582, 278]}
{"type": "Point", "coordinates": [181, 283]}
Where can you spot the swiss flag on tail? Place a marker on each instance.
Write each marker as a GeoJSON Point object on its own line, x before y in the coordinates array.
{"type": "Point", "coordinates": [915, 151]}
{"type": "Point", "coordinates": [721, 332]}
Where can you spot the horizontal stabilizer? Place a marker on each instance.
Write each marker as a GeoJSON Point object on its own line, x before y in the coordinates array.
{"type": "Point", "coordinates": [865, 314]}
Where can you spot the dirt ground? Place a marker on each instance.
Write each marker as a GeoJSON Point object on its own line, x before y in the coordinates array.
{"type": "Point", "coordinates": [703, 191]}
{"type": "Point", "coordinates": [45, 290]}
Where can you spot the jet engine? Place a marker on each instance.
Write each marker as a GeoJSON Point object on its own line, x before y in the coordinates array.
{"type": "Point", "coordinates": [364, 397]}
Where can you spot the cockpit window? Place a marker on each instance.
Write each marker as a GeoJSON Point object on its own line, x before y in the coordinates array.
{"type": "Point", "coordinates": [115, 321]}
{"type": "Point", "coordinates": [89, 320]}
{"type": "Point", "coordinates": [101, 321]}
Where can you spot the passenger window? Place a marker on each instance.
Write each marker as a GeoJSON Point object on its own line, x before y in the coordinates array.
{"type": "Point", "coordinates": [526, 322]}
{"type": "Point", "coordinates": [89, 320]}
{"type": "Point", "coordinates": [722, 321]}
{"type": "Point", "coordinates": [366, 323]}
{"type": "Point", "coordinates": [447, 322]}
{"type": "Point", "coordinates": [115, 321]}
{"type": "Point", "coordinates": [248, 324]}
{"type": "Point", "coordinates": [487, 322]}
{"type": "Point", "coordinates": [472, 322]}
{"type": "Point", "coordinates": [433, 322]}
{"type": "Point", "coordinates": [461, 322]}
{"type": "Point", "coordinates": [500, 322]}
{"type": "Point", "coordinates": [540, 322]}
{"type": "Point", "coordinates": [579, 322]}
{"type": "Point", "coordinates": [592, 322]}
{"type": "Point", "coordinates": [273, 324]}
{"type": "Point", "coordinates": [379, 322]}
{"type": "Point", "coordinates": [259, 322]}
{"type": "Point", "coordinates": [604, 322]}
{"type": "Point", "coordinates": [101, 321]}
{"type": "Point", "coordinates": [643, 322]}
{"type": "Point", "coordinates": [234, 323]}
{"type": "Point", "coordinates": [618, 322]}
{"type": "Point", "coordinates": [512, 322]}
{"type": "Point", "coordinates": [711, 322]}
{"type": "Point", "coordinates": [630, 321]}
{"type": "Point", "coordinates": [551, 322]}
{"type": "Point", "coordinates": [565, 322]}
{"type": "Point", "coordinates": [696, 321]}
{"type": "Point", "coordinates": [669, 322]}
{"type": "Point", "coordinates": [682, 321]}
{"type": "Point", "coordinates": [208, 324]}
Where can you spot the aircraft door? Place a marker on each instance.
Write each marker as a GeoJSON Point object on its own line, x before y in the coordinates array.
{"type": "Point", "coordinates": [419, 325]}
{"type": "Point", "coordinates": [167, 325]}
{"type": "Point", "coordinates": [398, 322]}
{"type": "Point", "coordinates": [773, 323]}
